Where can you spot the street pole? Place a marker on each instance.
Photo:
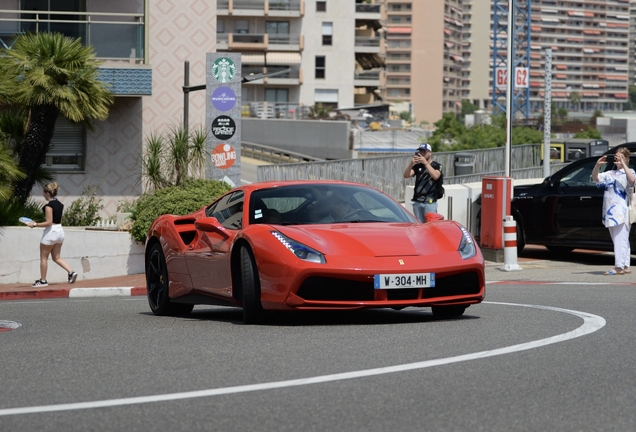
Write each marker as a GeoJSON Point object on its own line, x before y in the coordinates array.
{"type": "Point", "coordinates": [186, 94]}
{"type": "Point", "coordinates": [547, 112]}
{"type": "Point", "coordinates": [510, 87]}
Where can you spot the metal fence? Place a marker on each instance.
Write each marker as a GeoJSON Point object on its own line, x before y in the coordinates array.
{"type": "Point", "coordinates": [386, 173]}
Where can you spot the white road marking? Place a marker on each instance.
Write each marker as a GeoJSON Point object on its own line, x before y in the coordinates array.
{"type": "Point", "coordinates": [100, 292]}
{"type": "Point", "coordinates": [10, 324]}
{"type": "Point", "coordinates": [591, 323]}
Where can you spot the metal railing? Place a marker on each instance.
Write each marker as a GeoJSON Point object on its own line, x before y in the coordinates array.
{"type": "Point", "coordinates": [386, 172]}
{"type": "Point", "coordinates": [113, 36]}
{"type": "Point", "coordinates": [272, 154]}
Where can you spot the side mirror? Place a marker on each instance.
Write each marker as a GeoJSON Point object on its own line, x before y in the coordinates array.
{"type": "Point", "coordinates": [210, 224]}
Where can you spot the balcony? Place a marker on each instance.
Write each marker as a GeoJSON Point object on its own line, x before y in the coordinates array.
{"type": "Point", "coordinates": [259, 42]}
{"type": "Point", "coordinates": [293, 77]}
{"type": "Point", "coordinates": [113, 36]}
{"type": "Point", "coordinates": [367, 78]}
{"type": "Point", "coordinates": [261, 8]}
{"type": "Point", "coordinates": [368, 11]}
{"type": "Point", "coordinates": [367, 44]}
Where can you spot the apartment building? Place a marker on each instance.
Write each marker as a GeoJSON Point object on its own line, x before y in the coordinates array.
{"type": "Point", "coordinates": [332, 50]}
{"type": "Point", "coordinates": [424, 56]}
{"type": "Point", "coordinates": [143, 45]}
{"type": "Point", "coordinates": [590, 53]}
{"type": "Point", "coordinates": [477, 54]}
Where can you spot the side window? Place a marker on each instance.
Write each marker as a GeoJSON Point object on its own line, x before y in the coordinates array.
{"type": "Point", "coordinates": [228, 210]}
{"type": "Point", "coordinates": [580, 176]}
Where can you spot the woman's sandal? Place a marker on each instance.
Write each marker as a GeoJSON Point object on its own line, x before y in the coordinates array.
{"type": "Point", "coordinates": [613, 272]}
{"type": "Point", "coordinates": [627, 270]}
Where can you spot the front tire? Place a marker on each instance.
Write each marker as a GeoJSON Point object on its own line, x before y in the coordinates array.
{"type": "Point", "coordinates": [253, 312]}
{"type": "Point", "coordinates": [157, 284]}
{"type": "Point", "coordinates": [448, 311]}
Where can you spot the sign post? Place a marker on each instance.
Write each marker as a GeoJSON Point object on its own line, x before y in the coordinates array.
{"type": "Point", "coordinates": [223, 117]}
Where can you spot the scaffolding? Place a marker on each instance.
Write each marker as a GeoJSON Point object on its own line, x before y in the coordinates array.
{"type": "Point", "coordinates": [520, 55]}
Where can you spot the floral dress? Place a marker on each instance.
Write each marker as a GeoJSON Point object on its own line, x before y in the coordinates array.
{"type": "Point", "coordinates": [615, 210]}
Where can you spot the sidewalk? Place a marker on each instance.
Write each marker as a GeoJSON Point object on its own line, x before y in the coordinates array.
{"type": "Point", "coordinates": [537, 266]}
{"type": "Point", "coordinates": [114, 286]}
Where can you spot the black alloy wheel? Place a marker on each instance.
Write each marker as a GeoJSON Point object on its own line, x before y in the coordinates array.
{"type": "Point", "coordinates": [253, 312]}
{"type": "Point", "coordinates": [157, 283]}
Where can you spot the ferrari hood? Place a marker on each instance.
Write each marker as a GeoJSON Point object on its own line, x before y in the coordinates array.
{"type": "Point", "coordinates": [377, 239]}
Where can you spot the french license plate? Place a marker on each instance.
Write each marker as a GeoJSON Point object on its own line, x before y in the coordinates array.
{"type": "Point", "coordinates": [409, 280]}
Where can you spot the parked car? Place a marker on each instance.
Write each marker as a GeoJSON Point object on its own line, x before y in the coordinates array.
{"type": "Point", "coordinates": [310, 245]}
{"type": "Point", "coordinates": [564, 211]}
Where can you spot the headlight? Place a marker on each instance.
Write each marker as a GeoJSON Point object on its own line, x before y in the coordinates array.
{"type": "Point", "coordinates": [301, 251]}
{"type": "Point", "coordinates": [467, 247]}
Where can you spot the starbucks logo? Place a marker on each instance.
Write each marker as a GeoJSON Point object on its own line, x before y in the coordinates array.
{"type": "Point", "coordinates": [223, 69]}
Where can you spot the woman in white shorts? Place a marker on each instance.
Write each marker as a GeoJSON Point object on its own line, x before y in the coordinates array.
{"type": "Point", "coordinates": [52, 237]}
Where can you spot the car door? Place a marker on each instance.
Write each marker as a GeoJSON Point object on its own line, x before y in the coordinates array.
{"type": "Point", "coordinates": [575, 204]}
{"type": "Point", "coordinates": [208, 259]}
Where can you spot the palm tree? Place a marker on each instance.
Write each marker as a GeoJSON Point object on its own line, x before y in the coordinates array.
{"type": "Point", "coordinates": [50, 74]}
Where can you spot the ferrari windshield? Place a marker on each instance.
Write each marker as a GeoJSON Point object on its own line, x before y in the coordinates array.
{"type": "Point", "coordinates": [324, 203]}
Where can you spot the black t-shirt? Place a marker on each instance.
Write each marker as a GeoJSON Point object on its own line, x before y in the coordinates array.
{"type": "Point", "coordinates": [425, 186]}
{"type": "Point", "coordinates": [57, 208]}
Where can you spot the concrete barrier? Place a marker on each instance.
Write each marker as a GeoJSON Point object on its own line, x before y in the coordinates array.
{"type": "Point", "coordinates": [92, 254]}
{"type": "Point", "coordinates": [460, 202]}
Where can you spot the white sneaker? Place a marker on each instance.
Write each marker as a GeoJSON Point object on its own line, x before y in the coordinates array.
{"type": "Point", "coordinates": [40, 283]}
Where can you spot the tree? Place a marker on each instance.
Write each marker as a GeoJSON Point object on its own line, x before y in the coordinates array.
{"type": "Point", "coordinates": [50, 74]}
{"type": "Point", "coordinates": [590, 132]}
{"type": "Point", "coordinates": [575, 99]}
{"type": "Point", "coordinates": [172, 159]}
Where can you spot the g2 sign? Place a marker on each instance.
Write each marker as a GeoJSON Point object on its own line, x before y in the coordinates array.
{"type": "Point", "coordinates": [522, 77]}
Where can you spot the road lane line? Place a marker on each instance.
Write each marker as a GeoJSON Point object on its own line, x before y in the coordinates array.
{"type": "Point", "coordinates": [591, 323]}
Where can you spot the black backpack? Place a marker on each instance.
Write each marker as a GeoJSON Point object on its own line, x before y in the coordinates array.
{"type": "Point", "coordinates": [439, 191]}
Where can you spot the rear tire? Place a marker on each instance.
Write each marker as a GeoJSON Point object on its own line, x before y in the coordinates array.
{"type": "Point", "coordinates": [448, 311]}
{"type": "Point", "coordinates": [253, 312]}
{"type": "Point", "coordinates": [157, 283]}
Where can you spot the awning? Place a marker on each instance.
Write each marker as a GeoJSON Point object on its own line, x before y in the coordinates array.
{"type": "Point", "coordinates": [399, 30]}
{"type": "Point", "coordinates": [560, 76]}
{"type": "Point", "coordinates": [253, 58]}
{"type": "Point", "coordinates": [620, 95]}
{"type": "Point", "coordinates": [561, 67]}
{"type": "Point", "coordinates": [282, 58]}
{"type": "Point", "coordinates": [449, 44]}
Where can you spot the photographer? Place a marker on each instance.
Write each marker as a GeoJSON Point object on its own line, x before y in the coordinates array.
{"type": "Point", "coordinates": [616, 183]}
{"type": "Point", "coordinates": [428, 180]}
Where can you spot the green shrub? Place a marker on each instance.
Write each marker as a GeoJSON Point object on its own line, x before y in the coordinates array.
{"type": "Point", "coordinates": [176, 200]}
{"type": "Point", "coordinates": [84, 211]}
{"type": "Point", "coordinates": [12, 209]}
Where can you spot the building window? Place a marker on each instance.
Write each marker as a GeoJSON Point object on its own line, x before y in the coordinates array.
{"type": "Point", "coordinates": [321, 6]}
{"type": "Point", "coordinates": [326, 96]}
{"type": "Point", "coordinates": [242, 26]}
{"type": "Point", "coordinates": [276, 95]}
{"type": "Point", "coordinates": [327, 32]}
{"type": "Point", "coordinates": [47, 23]}
{"type": "Point", "coordinates": [66, 152]}
{"type": "Point", "coordinates": [220, 26]}
{"type": "Point", "coordinates": [278, 31]}
{"type": "Point", "coordinates": [320, 67]}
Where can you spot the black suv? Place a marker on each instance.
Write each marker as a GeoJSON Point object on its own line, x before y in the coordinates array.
{"type": "Point", "coordinates": [564, 212]}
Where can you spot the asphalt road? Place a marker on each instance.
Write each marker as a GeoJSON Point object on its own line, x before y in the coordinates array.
{"type": "Point", "coordinates": [500, 367]}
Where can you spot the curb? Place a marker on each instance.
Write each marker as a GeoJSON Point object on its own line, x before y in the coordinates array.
{"type": "Point", "coordinates": [74, 293]}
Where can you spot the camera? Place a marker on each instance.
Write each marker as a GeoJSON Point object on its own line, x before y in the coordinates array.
{"type": "Point", "coordinates": [417, 153]}
{"type": "Point", "coordinates": [610, 159]}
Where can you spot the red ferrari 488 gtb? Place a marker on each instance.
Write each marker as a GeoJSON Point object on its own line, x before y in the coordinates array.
{"type": "Point", "coordinates": [310, 245]}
